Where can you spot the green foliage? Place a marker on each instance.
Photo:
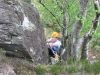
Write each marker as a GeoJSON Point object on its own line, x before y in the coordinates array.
{"type": "Point", "coordinates": [47, 18]}
{"type": "Point", "coordinates": [73, 66]}
{"type": "Point", "coordinates": [97, 33]}
{"type": "Point", "coordinates": [40, 70]}
{"type": "Point", "coordinates": [86, 66]}
{"type": "Point", "coordinates": [56, 69]}
{"type": "Point", "coordinates": [91, 68]}
{"type": "Point", "coordinates": [50, 20]}
{"type": "Point", "coordinates": [96, 67]}
{"type": "Point", "coordinates": [72, 8]}
{"type": "Point", "coordinates": [72, 69]}
{"type": "Point", "coordinates": [89, 17]}
{"type": "Point", "coordinates": [70, 61]}
{"type": "Point", "coordinates": [83, 66]}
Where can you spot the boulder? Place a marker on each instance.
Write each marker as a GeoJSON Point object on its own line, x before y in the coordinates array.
{"type": "Point", "coordinates": [28, 1]}
{"type": "Point", "coordinates": [21, 33]}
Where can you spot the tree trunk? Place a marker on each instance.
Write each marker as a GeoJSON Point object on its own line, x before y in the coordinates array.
{"type": "Point", "coordinates": [88, 36]}
{"type": "Point", "coordinates": [64, 34]}
{"type": "Point", "coordinates": [76, 29]}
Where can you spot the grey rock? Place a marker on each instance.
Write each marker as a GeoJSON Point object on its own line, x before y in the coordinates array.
{"type": "Point", "coordinates": [20, 26]}
{"type": "Point", "coordinates": [28, 1]}
{"type": "Point", "coordinates": [6, 70]}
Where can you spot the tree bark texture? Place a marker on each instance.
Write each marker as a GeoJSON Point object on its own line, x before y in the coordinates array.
{"type": "Point", "coordinates": [75, 36]}
{"type": "Point", "coordinates": [88, 35]}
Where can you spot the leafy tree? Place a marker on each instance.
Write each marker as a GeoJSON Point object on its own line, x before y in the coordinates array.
{"type": "Point", "coordinates": [73, 18]}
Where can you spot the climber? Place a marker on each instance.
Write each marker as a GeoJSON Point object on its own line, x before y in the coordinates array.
{"type": "Point", "coordinates": [54, 45]}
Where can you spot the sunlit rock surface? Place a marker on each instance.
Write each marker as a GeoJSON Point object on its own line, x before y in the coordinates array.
{"type": "Point", "coordinates": [21, 33]}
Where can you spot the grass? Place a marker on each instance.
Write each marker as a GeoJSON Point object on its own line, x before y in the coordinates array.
{"type": "Point", "coordinates": [56, 69]}
{"type": "Point", "coordinates": [59, 68]}
{"type": "Point", "coordinates": [72, 69]}
{"type": "Point", "coordinates": [40, 70]}
{"type": "Point", "coordinates": [96, 67]}
{"type": "Point", "coordinates": [83, 66]}
{"type": "Point", "coordinates": [93, 68]}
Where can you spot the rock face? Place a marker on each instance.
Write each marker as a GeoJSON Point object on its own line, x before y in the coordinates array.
{"type": "Point", "coordinates": [21, 33]}
{"type": "Point", "coordinates": [28, 1]}
{"type": "Point", "coordinates": [6, 70]}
